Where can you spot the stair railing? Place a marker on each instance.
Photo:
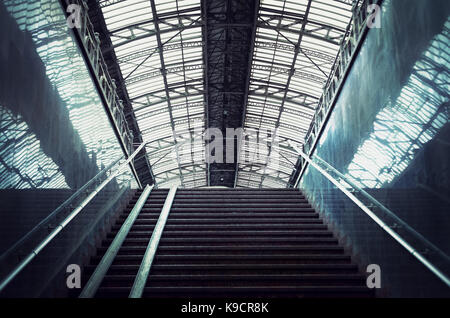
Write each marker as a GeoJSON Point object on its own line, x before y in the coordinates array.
{"type": "Point", "coordinates": [144, 269]}
{"type": "Point", "coordinates": [96, 278]}
{"type": "Point", "coordinates": [355, 188]}
{"type": "Point", "coordinates": [66, 204]}
{"type": "Point", "coordinates": [100, 271]}
{"type": "Point", "coordinates": [43, 243]}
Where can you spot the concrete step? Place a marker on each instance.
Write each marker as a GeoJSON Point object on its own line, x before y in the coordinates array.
{"type": "Point", "coordinates": [227, 233]}
{"type": "Point", "coordinates": [220, 242]}
{"type": "Point", "coordinates": [233, 250]}
{"type": "Point", "coordinates": [231, 259]}
{"type": "Point", "coordinates": [229, 240]}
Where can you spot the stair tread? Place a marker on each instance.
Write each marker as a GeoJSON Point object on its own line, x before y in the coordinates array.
{"type": "Point", "coordinates": [144, 215]}
{"type": "Point", "coordinates": [280, 256]}
{"type": "Point", "coordinates": [231, 242]}
{"type": "Point", "coordinates": [235, 248]}
{"type": "Point", "coordinates": [247, 289]}
{"type": "Point", "coordinates": [232, 232]}
{"type": "Point", "coordinates": [227, 226]}
{"type": "Point", "coordinates": [237, 266]}
{"type": "Point", "coordinates": [293, 239]}
{"type": "Point", "coordinates": [240, 277]}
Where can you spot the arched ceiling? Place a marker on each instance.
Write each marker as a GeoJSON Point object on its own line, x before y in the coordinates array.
{"type": "Point", "coordinates": [192, 64]}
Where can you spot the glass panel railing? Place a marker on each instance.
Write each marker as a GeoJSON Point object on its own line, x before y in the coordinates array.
{"type": "Point", "coordinates": [336, 189]}
{"type": "Point", "coordinates": [389, 134]}
{"type": "Point", "coordinates": [55, 136]}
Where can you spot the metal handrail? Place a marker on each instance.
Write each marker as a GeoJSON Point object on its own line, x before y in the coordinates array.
{"type": "Point", "coordinates": [66, 221]}
{"type": "Point", "coordinates": [377, 203]}
{"type": "Point", "coordinates": [144, 269]}
{"type": "Point", "coordinates": [443, 277]}
{"type": "Point", "coordinates": [60, 208]}
{"type": "Point", "coordinates": [96, 278]}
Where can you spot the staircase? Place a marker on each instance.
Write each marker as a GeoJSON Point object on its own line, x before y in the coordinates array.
{"type": "Point", "coordinates": [232, 243]}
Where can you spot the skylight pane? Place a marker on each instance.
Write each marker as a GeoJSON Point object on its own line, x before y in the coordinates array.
{"type": "Point", "coordinates": [285, 86]}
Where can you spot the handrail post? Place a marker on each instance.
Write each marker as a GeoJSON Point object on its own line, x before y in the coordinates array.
{"type": "Point", "coordinates": [443, 277]}
{"type": "Point", "coordinates": [96, 278]}
{"type": "Point", "coordinates": [144, 269]}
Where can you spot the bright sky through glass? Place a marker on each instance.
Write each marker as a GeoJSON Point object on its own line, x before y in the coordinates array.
{"type": "Point", "coordinates": [277, 101]}
{"type": "Point", "coordinates": [402, 128]}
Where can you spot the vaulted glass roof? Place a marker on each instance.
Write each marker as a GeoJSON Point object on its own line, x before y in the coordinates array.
{"type": "Point", "coordinates": [295, 46]}
{"type": "Point", "coordinates": [165, 86]}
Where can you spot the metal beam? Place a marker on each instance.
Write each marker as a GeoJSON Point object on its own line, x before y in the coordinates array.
{"type": "Point", "coordinates": [288, 47]}
{"type": "Point", "coordinates": [166, 47]}
{"type": "Point", "coordinates": [95, 14]}
{"type": "Point", "coordinates": [163, 71]}
{"type": "Point", "coordinates": [296, 52]}
{"type": "Point", "coordinates": [230, 25]}
{"type": "Point", "coordinates": [191, 25]}
{"type": "Point", "coordinates": [206, 77]}
{"type": "Point", "coordinates": [166, 85]}
{"type": "Point", "coordinates": [247, 85]}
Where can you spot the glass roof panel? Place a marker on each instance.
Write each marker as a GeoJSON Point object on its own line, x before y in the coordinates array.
{"type": "Point", "coordinates": [165, 85]}
{"type": "Point", "coordinates": [160, 54]}
{"type": "Point", "coordinates": [285, 85]}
